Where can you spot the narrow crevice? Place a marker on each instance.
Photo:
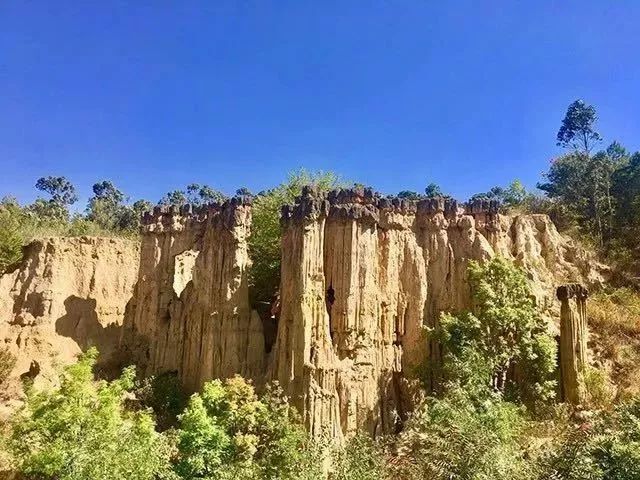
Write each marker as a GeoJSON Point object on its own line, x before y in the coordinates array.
{"type": "Point", "coordinates": [330, 298]}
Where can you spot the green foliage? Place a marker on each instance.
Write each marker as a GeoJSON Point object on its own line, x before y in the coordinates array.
{"type": "Point", "coordinates": [578, 128]}
{"type": "Point", "coordinates": [226, 431]}
{"type": "Point", "coordinates": [165, 396]}
{"type": "Point", "coordinates": [456, 437]}
{"type": "Point", "coordinates": [82, 430]}
{"type": "Point", "coordinates": [361, 458]}
{"type": "Point", "coordinates": [505, 333]}
{"type": "Point", "coordinates": [409, 195]}
{"type": "Point", "coordinates": [194, 194]}
{"type": "Point", "coordinates": [61, 190]}
{"type": "Point", "coordinates": [108, 210]}
{"type": "Point", "coordinates": [606, 447]}
{"type": "Point", "coordinates": [10, 237]}
{"type": "Point", "coordinates": [596, 195]}
{"type": "Point", "coordinates": [514, 196]}
{"type": "Point", "coordinates": [433, 190]}
{"type": "Point", "coordinates": [264, 243]}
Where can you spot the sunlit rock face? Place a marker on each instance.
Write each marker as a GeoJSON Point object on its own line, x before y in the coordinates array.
{"type": "Point", "coordinates": [64, 296]}
{"type": "Point", "coordinates": [362, 277]}
{"type": "Point", "coordinates": [191, 312]}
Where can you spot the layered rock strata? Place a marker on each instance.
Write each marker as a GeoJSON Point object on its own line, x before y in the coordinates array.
{"type": "Point", "coordinates": [362, 276]}
{"type": "Point", "coordinates": [66, 295]}
{"type": "Point", "coordinates": [191, 312]}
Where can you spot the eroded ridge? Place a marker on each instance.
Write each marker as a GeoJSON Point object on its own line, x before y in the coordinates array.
{"type": "Point", "coordinates": [191, 312]}
{"type": "Point", "coordinates": [363, 275]}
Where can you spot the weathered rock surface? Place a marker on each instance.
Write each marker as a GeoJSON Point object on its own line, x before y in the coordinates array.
{"type": "Point", "coordinates": [191, 309]}
{"type": "Point", "coordinates": [362, 276]}
{"type": "Point", "coordinates": [573, 341]}
{"type": "Point", "coordinates": [66, 295]}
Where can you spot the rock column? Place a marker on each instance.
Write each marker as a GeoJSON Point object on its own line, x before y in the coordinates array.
{"type": "Point", "coordinates": [573, 341]}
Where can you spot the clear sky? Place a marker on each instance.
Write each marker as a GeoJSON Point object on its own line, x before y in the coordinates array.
{"type": "Point", "coordinates": [396, 94]}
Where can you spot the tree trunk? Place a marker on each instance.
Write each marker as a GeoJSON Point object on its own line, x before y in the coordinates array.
{"type": "Point", "coordinates": [573, 341]}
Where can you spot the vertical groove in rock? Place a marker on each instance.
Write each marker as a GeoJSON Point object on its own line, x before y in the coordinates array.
{"type": "Point", "coordinates": [573, 341]}
{"type": "Point", "coordinates": [361, 277]}
{"type": "Point", "coordinates": [192, 310]}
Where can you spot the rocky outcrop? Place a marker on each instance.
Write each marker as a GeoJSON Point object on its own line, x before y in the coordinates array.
{"type": "Point", "coordinates": [191, 310]}
{"type": "Point", "coordinates": [573, 341]}
{"type": "Point", "coordinates": [362, 276]}
{"type": "Point", "coordinates": [66, 295]}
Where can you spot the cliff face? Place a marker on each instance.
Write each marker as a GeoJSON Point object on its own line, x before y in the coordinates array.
{"type": "Point", "coordinates": [191, 312]}
{"type": "Point", "coordinates": [362, 276]}
{"type": "Point", "coordinates": [66, 295]}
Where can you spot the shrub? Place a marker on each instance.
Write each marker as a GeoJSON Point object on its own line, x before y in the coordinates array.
{"type": "Point", "coordinates": [503, 335]}
{"type": "Point", "coordinates": [455, 437]}
{"type": "Point", "coordinates": [164, 395]}
{"type": "Point", "coordinates": [361, 458]}
{"type": "Point", "coordinates": [604, 448]}
{"type": "Point", "coordinates": [226, 431]}
{"type": "Point", "coordinates": [10, 238]}
{"type": "Point", "coordinates": [82, 430]}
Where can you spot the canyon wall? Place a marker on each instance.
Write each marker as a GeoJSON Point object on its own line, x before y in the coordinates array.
{"type": "Point", "coordinates": [66, 295]}
{"type": "Point", "coordinates": [361, 278]}
{"type": "Point", "coordinates": [191, 312]}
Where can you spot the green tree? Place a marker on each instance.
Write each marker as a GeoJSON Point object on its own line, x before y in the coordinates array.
{"type": "Point", "coordinates": [264, 242]}
{"type": "Point", "coordinates": [504, 333]}
{"type": "Point", "coordinates": [409, 195]}
{"type": "Point", "coordinates": [61, 190]}
{"type": "Point", "coordinates": [194, 194]}
{"type": "Point", "coordinates": [63, 194]}
{"type": "Point", "coordinates": [203, 194]}
{"type": "Point", "coordinates": [433, 190]}
{"type": "Point", "coordinates": [226, 431]}
{"type": "Point", "coordinates": [106, 207]}
{"type": "Point", "coordinates": [456, 438]}
{"type": "Point", "coordinates": [177, 198]}
{"type": "Point", "coordinates": [244, 191]}
{"type": "Point", "coordinates": [11, 238]}
{"type": "Point", "coordinates": [82, 430]}
{"type": "Point", "coordinates": [578, 128]}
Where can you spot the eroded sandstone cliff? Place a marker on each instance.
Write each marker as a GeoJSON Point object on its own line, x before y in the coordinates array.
{"type": "Point", "coordinates": [361, 277]}
{"type": "Point", "coordinates": [191, 309]}
{"type": "Point", "coordinates": [66, 295]}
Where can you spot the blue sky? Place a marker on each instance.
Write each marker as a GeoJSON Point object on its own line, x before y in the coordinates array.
{"type": "Point", "coordinates": [397, 94]}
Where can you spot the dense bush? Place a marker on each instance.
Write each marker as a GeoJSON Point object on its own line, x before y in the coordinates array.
{"type": "Point", "coordinates": [606, 447]}
{"type": "Point", "coordinates": [456, 437]}
{"type": "Point", "coordinates": [361, 458]}
{"type": "Point", "coordinates": [226, 431]}
{"type": "Point", "coordinates": [82, 430]}
{"type": "Point", "coordinates": [503, 335]}
{"type": "Point", "coordinates": [164, 395]}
